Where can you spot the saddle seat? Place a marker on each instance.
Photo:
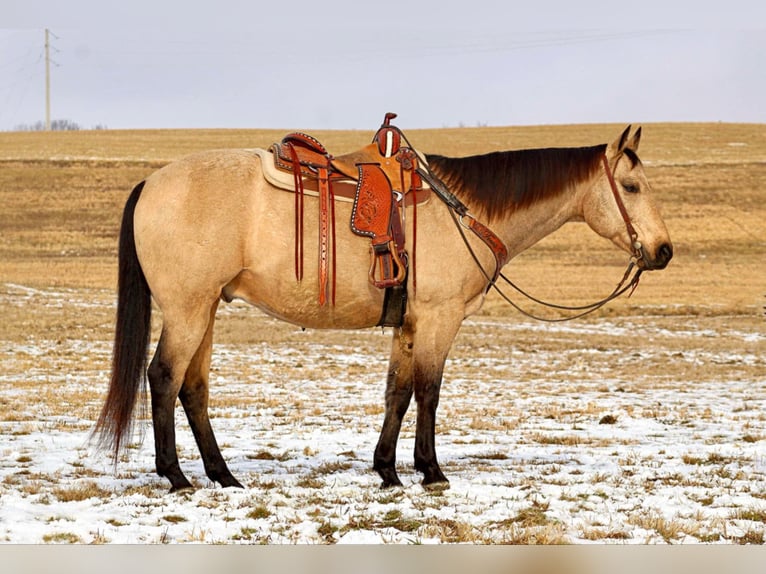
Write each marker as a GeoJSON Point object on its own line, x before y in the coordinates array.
{"type": "Point", "coordinates": [379, 178]}
{"type": "Point", "coordinates": [280, 167]}
{"type": "Point", "coordinates": [344, 176]}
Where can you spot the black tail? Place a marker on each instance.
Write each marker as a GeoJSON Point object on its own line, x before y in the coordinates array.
{"type": "Point", "coordinates": [131, 340]}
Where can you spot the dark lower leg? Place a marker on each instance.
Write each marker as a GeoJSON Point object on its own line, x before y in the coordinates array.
{"type": "Point", "coordinates": [194, 400]}
{"type": "Point", "coordinates": [398, 396]}
{"type": "Point", "coordinates": [164, 394]}
{"type": "Point", "coordinates": [427, 388]}
{"type": "Point", "coordinates": [397, 401]}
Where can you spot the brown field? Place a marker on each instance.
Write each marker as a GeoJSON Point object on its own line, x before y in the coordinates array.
{"type": "Point", "coordinates": [61, 197]}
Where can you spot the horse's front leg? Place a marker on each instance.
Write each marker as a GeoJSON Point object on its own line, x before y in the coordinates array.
{"type": "Point", "coordinates": [398, 396]}
{"type": "Point", "coordinates": [427, 383]}
{"type": "Point", "coordinates": [432, 343]}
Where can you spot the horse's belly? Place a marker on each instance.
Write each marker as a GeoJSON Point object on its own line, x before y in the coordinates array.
{"type": "Point", "coordinates": [269, 279]}
{"type": "Point", "coordinates": [298, 302]}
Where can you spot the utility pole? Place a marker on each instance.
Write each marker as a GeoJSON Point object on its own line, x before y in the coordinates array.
{"type": "Point", "coordinates": [47, 81]}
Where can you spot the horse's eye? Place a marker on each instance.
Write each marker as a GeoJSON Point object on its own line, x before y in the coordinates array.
{"type": "Point", "coordinates": [630, 187]}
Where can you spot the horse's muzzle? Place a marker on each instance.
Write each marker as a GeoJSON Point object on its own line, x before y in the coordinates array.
{"type": "Point", "coordinates": [660, 260]}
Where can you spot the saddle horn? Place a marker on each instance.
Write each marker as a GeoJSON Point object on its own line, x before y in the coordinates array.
{"type": "Point", "coordinates": [388, 137]}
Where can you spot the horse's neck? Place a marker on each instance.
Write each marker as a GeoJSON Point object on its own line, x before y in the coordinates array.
{"type": "Point", "coordinates": [525, 227]}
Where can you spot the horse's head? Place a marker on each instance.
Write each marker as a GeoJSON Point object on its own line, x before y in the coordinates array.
{"type": "Point", "coordinates": [620, 207]}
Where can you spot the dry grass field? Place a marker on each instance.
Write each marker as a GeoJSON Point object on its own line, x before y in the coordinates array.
{"type": "Point", "coordinates": [679, 367]}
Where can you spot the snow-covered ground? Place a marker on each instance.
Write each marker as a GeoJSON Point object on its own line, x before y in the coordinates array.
{"type": "Point", "coordinates": [627, 431]}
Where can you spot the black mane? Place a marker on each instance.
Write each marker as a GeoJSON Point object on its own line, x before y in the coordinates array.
{"type": "Point", "coordinates": [498, 183]}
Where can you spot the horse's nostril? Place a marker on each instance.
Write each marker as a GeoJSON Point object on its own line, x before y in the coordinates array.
{"type": "Point", "coordinates": [665, 253]}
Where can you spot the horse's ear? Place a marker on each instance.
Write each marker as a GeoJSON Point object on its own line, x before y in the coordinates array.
{"type": "Point", "coordinates": [633, 143]}
{"type": "Point", "coordinates": [619, 144]}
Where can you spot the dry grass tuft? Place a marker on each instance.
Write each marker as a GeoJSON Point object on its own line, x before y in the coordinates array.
{"type": "Point", "coordinates": [79, 492]}
{"type": "Point", "coordinates": [259, 512]}
{"type": "Point", "coordinates": [174, 518]}
{"type": "Point", "coordinates": [61, 538]}
{"type": "Point", "coordinates": [600, 534]}
{"type": "Point", "coordinates": [752, 514]}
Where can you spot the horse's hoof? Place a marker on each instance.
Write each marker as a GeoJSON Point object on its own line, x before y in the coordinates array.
{"type": "Point", "coordinates": [433, 477]}
{"type": "Point", "coordinates": [180, 484]}
{"type": "Point", "coordinates": [183, 489]}
{"type": "Point", "coordinates": [436, 486]}
{"type": "Point", "coordinates": [228, 481]}
{"type": "Point", "coordinates": [390, 478]}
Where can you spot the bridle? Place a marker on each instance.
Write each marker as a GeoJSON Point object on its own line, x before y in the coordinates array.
{"type": "Point", "coordinates": [635, 244]}
{"type": "Point", "coordinates": [459, 213]}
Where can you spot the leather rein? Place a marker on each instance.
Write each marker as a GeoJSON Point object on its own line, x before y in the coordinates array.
{"type": "Point", "coordinates": [462, 219]}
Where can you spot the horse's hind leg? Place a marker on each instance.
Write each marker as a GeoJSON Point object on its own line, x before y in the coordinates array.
{"type": "Point", "coordinates": [194, 398]}
{"type": "Point", "coordinates": [181, 336]}
{"type": "Point", "coordinates": [398, 396]}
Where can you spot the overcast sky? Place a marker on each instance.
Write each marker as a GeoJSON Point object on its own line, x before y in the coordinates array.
{"type": "Point", "coordinates": [324, 64]}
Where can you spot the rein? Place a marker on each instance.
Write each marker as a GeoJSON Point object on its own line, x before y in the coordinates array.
{"type": "Point", "coordinates": [459, 213]}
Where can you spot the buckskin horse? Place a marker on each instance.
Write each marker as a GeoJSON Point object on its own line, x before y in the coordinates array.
{"type": "Point", "coordinates": [210, 227]}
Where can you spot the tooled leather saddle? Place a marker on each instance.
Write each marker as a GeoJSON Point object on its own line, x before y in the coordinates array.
{"type": "Point", "coordinates": [386, 181]}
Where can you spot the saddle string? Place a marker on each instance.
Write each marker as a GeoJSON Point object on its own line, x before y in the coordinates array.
{"type": "Point", "coordinates": [332, 238]}
{"type": "Point", "coordinates": [298, 212]}
{"type": "Point", "coordinates": [403, 212]}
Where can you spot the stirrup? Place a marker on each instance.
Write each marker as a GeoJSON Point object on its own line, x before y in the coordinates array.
{"type": "Point", "coordinates": [392, 268]}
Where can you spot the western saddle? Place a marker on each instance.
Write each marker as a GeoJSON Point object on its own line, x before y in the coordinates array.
{"type": "Point", "coordinates": [382, 179]}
